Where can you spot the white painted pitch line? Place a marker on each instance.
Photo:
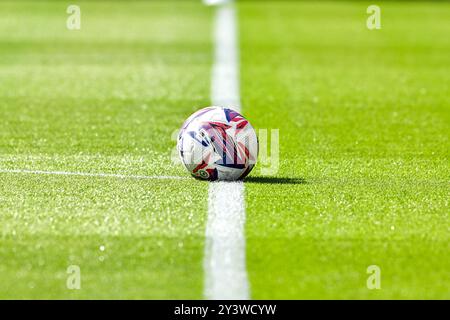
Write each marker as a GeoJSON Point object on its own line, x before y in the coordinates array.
{"type": "Point", "coordinates": [225, 267]}
{"type": "Point", "coordinates": [225, 72]}
{"type": "Point", "coordinates": [225, 254]}
{"type": "Point", "coordinates": [87, 174]}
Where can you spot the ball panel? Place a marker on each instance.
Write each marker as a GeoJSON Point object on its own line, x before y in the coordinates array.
{"type": "Point", "coordinates": [218, 143]}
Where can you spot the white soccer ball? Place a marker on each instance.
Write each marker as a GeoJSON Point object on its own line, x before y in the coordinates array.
{"type": "Point", "coordinates": [218, 143]}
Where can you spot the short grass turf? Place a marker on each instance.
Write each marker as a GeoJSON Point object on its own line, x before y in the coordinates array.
{"type": "Point", "coordinates": [103, 99]}
{"type": "Point", "coordinates": [364, 122]}
{"type": "Point", "coordinates": [363, 118]}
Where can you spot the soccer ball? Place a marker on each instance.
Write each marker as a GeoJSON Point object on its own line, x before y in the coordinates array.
{"type": "Point", "coordinates": [218, 143]}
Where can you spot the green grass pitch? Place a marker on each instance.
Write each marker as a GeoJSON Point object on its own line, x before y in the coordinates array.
{"type": "Point", "coordinates": [364, 120]}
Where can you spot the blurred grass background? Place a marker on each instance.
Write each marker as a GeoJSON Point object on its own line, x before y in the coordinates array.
{"type": "Point", "coordinates": [364, 122]}
{"type": "Point", "coordinates": [103, 99]}
{"type": "Point", "coordinates": [363, 118]}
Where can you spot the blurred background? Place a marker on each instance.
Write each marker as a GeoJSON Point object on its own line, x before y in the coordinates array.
{"type": "Point", "coordinates": [360, 95]}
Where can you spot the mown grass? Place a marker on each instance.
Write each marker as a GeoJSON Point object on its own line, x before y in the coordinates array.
{"type": "Point", "coordinates": [364, 121]}
{"type": "Point", "coordinates": [103, 99]}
